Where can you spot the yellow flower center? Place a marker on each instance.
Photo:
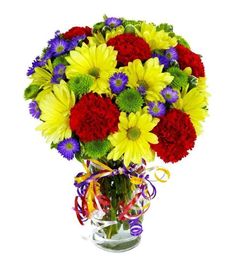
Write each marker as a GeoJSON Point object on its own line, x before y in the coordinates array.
{"type": "Point", "coordinates": [133, 133]}
{"type": "Point", "coordinates": [95, 72]}
{"type": "Point", "coordinates": [69, 146]}
{"type": "Point", "coordinates": [118, 82]}
{"type": "Point", "coordinates": [59, 48]}
{"type": "Point", "coordinates": [168, 96]}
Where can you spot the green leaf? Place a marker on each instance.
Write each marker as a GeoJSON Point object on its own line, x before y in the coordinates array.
{"type": "Point", "coordinates": [31, 91]}
{"type": "Point", "coordinates": [130, 29]}
{"type": "Point", "coordinates": [54, 145]}
{"type": "Point", "coordinates": [182, 41]}
{"type": "Point", "coordinates": [166, 27]}
{"type": "Point", "coordinates": [98, 27]}
{"type": "Point", "coordinates": [126, 225]}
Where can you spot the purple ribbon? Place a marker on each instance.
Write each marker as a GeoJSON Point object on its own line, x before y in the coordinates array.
{"type": "Point", "coordinates": [135, 227]}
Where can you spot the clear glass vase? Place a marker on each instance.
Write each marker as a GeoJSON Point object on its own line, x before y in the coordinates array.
{"type": "Point", "coordinates": [115, 202]}
{"type": "Point", "coordinates": [114, 236]}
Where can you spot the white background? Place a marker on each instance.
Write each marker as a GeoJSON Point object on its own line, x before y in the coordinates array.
{"type": "Point", "coordinates": [192, 217]}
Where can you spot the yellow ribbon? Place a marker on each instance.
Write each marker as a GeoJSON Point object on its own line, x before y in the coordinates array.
{"type": "Point", "coordinates": [90, 198]}
{"type": "Point", "coordinates": [165, 177]}
{"type": "Point", "coordinates": [100, 164]}
{"type": "Point", "coordinates": [93, 185]}
{"type": "Point", "coordinates": [136, 180]}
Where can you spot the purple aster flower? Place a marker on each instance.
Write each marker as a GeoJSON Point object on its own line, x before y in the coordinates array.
{"type": "Point", "coordinates": [57, 36]}
{"type": "Point", "coordinates": [36, 63]}
{"type": "Point", "coordinates": [59, 69]}
{"type": "Point", "coordinates": [47, 55]}
{"type": "Point", "coordinates": [169, 94]}
{"type": "Point", "coordinates": [58, 73]}
{"type": "Point", "coordinates": [68, 147]}
{"type": "Point", "coordinates": [163, 60]}
{"type": "Point", "coordinates": [30, 71]}
{"type": "Point", "coordinates": [118, 82]}
{"type": "Point", "coordinates": [141, 89]}
{"type": "Point", "coordinates": [58, 46]}
{"type": "Point", "coordinates": [157, 109]}
{"type": "Point", "coordinates": [34, 109]}
{"type": "Point", "coordinates": [57, 33]}
{"type": "Point", "coordinates": [113, 22]}
{"type": "Point", "coordinates": [171, 54]}
{"type": "Point", "coordinates": [75, 41]}
{"type": "Point", "coordinates": [57, 78]}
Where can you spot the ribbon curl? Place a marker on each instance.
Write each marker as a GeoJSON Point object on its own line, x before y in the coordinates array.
{"type": "Point", "coordinates": [90, 200]}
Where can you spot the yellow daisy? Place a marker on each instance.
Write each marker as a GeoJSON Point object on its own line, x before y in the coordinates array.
{"type": "Point", "coordinates": [98, 37]}
{"type": "Point", "coordinates": [42, 76]}
{"type": "Point", "coordinates": [149, 76]}
{"type": "Point", "coordinates": [194, 103]}
{"type": "Point", "coordinates": [132, 141]}
{"type": "Point", "coordinates": [55, 111]}
{"type": "Point", "coordinates": [96, 61]}
{"type": "Point", "coordinates": [156, 39]}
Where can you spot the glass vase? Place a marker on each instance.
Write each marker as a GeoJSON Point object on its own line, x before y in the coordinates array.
{"type": "Point", "coordinates": [110, 231]}
{"type": "Point", "coordinates": [115, 199]}
{"type": "Point", "coordinates": [114, 236]}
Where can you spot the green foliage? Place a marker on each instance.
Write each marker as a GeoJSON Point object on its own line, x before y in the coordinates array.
{"type": "Point", "coordinates": [133, 23]}
{"type": "Point", "coordinates": [182, 41]}
{"type": "Point", "coordinates": [98, 27]}
{"type": "Point", "coordinates": [166, 27]}
{"type": "Point", "coordinates": [105, 29]}
{"type": "Point", "coordinates": [81, 155]}
{"type": "Point", "coordinates": [54, 145]}
{"type": "Point", "coordinates": [130, 100]}
{"type": "Point", "coordinates": [180, 78]}
{"type": "Point", "coordinates": [31, 91]}
{"type": "Point", "coordinates": [59, 60]}
{"type": "Point", "coordinates": [117, 188]}
{"type": "Point", "coordinates": [192, 81]}
{"type": "Point", "coordinates": [130, 29]}
{"type": "Point", "coordinates": [97, 149]}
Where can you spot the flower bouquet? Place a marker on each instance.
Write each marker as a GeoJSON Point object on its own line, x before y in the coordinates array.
{"type": "Point", "coordinates": [114, 97]}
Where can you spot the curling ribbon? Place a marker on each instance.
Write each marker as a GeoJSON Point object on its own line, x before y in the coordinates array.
{"type": "Point", "coordinates": [90, 199]}
{"type": "Point", "coordinates": [135, 227]}
{"type": "Point", "coordinates": [164, 178]}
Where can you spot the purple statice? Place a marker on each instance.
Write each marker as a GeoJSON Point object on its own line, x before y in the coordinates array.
{"type": "Point", "coordinates": [68, 147]}
{"type": "Point", "coordinates": [58, 46]}
{"type": "Point", "coordinates": [118, 82]}
{"type": "Point", "coordinates": [171, 54]}
{"type": "Point", "coordinates": [169, 94]}
{"type": "Point", "coordinates": [34, 109]}
{"type": "Point", "coordinates": [113, 22]}
{"type": "Point", "coordinates": [156, 109]}
{"type": "Point", "coordinates": [142, 90]}
{"type": "Point", "coordinates": [58, 73]}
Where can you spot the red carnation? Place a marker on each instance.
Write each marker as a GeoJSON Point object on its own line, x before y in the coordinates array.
{"type": "Point", "coordinates": [176, 135]}
{"type": "Point", "coordinates": [130, 47]}
{"type": "Point", "coordinates": [187, 58]}
{"type": "Point", "coordinates": [77, 31]}
{"type": "Point", "coordinates": [94, 117]}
